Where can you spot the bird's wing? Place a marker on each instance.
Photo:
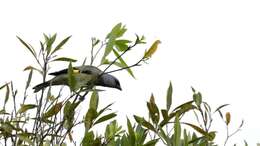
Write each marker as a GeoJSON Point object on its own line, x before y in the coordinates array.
{"type": "Point", "coordinates": [64, 71]}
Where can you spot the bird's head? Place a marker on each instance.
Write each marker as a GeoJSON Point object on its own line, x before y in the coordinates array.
{"type": "Point", "coordinates": [108, 80]}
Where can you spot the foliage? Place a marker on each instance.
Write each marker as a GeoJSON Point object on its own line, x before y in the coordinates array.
{"type": "Point", "coordinates": [53, 118]}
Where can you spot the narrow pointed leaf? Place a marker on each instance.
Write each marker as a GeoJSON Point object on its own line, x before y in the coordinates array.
{"type": "Point", "coordinates": [50, 42]}
{"type": "Point", "coordinates": [104, 109]}
{"type": "Point", "coordinates": [25, 138]}
{"type": "Point", "coordinates": [143, 122]}
{"type": "Point", "coordinates": [60, 45]}
{"type": "Point", "coordinates": [197, 97]}
{"type": "Point", "coordinates": [54, 110]}
{"type": "Point", "coordinates": [32, 68]}
{"type": "Point", "coordinates": [131, 132]}
{"type": "Point", "coordinates": [26, 107]}
{"type": "Point", "coordinates": [89, 118]}
{"type": "Point", "coordinates": [117, 31]}
{"type": "Point", "coordinates": [65, 59]}
{"type": "Point", "coordinates": [71, 79]}
{"type": "Point", "coordinates": [7, 93]}
{"type": "Point", "coordinates": [198, 129]}
{"type": "Point", "coordinates": [151, 142]}
{"type": "Point", "coordinates": [94, 100]}
{"type": "Point", "coordinates": [122, 45]}
{"type": "Point", "coordinates": [177, 132]}
{"type": "Point", "coordinates": [105, 118]}
{"type": "Point", "coordinates": [152, 49]}
{"type": "Point", "coordinates": [27, 46]}
{"type": "Point", "coordinates": [29, 79]}
{"type": "Point", "coordinates": [124, 63]}
{"type": "Point", "coordinates": [169, 97]}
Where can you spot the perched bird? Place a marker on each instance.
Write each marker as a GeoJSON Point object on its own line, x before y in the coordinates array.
{"type": "Point", "coordinates": [84, 76]}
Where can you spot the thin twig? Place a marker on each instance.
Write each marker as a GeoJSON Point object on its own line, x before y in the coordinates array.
{"type": "Point", "coordinates": [128, 49]}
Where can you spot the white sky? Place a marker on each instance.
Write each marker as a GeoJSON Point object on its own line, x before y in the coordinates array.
{"type": "Point", "coordinates": [210, 45]}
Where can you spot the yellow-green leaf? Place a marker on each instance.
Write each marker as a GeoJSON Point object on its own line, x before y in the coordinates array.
{"type": "Point", "coordinates": [71, 79]}
{"type": "Point", "coordinates": [105, 118]}
{"type": "Point", "coordinates": [152, 49]}
{"type": "Point", "coordinates": [65, 59]}
{"type": "Point", "coordinates": [169, 97]}
{"type": "Point", "coordinates": [123, 63]}
{"type": "Point", "coordinates": [32, 68]}
{"type": "Point", "coordinates": [94, 100]}
{"type": "Point", "coordinates": [28, 46]}
{"type": "Point", "coordinates": [59, 46]}
{"type": "Point", "coordinates": [54, 110]}
{"type": "Point", "coordinates": [25, 107]}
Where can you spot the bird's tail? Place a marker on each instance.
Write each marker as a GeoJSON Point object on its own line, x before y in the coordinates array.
{"type": "Point", "coordinates": [41, 86]}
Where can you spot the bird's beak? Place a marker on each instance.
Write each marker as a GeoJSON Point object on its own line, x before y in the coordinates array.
{"type": "Point", "coordinates": [119, 88]}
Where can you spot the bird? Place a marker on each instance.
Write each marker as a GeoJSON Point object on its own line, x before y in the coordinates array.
{"type": "Point", "coordinates": [84, 75]}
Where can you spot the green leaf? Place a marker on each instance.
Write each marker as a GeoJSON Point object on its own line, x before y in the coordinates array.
{"type": "Point", "coordinates": [49, 41]}
{"type": "Point", "coordinates": [32, 68]}
{"type": "Point", "coordinates": [113, 130]}
{"type": "Point", "coordinates": [131, 132]}
{"type": "Point", "coordinates": [89, 118]}
{"type": "Point", "coordinates": [54, 110]}
{"type": "Point", "coordinates": [3, 112]}
{"type": "Point", "coordinates": [185, 138]}
{"type": "Point", "coordinates": [180, 110]}
{"type": "Point", "coordinates": [164, 136]}
{"type": "Point", "coordinates": [105, 118]}
{"type": "Point", "coordinates": [153, 110]}
{"type": "Point", "coordinates": [104, 109]}
{"type": "Point", "coordinates": [27, 46]}
{"type": "Point", "coordinates": [88, 138]}
{"type": "Point", "coordinates": [123, 63]}
{"type": "Point", "coordinates": [29, 79]}
{"type": "Point", "coordinates": [71, 78]}
{"type": "Point", "coordinates": [25, 107]}
{"type": "Point", "coordinates": [177, 132]}
{"type": "Point", "coordinates": [152, 142]}
{"type": "Point", "coordinates": [7, 93]}
{"type": "Point", "coordinates": [60, 45]}
{"type": "Point", "coordinates": [115, 33]}
{"type": "Point", "coordinates": [69, 112]}
{"type": "Point", "coordinates": [165, 114]}
{"type": "Point", "coordinates": [152, 49]}
{"type": "Point", "coordinates": [65, 59]}
{"type": "Point", "coordinates": [94, 100]}
{"type": "Point", "coordinates": [144, 123]}
{"type": "Point", "coordinates": [184, 105]}
{"type": "Point", "coordinates": [211, 136]}
{"type": "Point", "coordinates": [197, 97]}
{"type": "Point", "coordinates": [122, 45]}
{"type": "Point", "coordinates": [25, 137]}
{"type": "Point", "coordinates": [198, 129]}
{"type": "Point", "coordinates": [169, 97]}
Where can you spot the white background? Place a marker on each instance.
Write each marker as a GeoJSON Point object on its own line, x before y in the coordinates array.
{"type": "Point", "coordinates": [210, 45]}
